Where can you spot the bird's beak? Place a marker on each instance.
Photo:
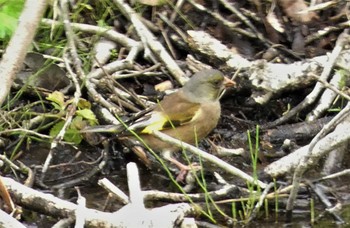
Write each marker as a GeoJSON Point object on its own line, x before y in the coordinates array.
{"type": "Point", "coordinates": [228, 82]}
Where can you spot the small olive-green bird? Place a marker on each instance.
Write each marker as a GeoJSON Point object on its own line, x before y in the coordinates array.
{"type": "Point", "coordinates": [188, 114]}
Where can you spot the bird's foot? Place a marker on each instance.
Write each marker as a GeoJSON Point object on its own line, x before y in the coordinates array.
{"type": "Point", "coordinates": [184, 169]}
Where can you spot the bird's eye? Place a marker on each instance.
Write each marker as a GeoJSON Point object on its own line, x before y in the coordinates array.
{"type": "Point", "coordinates": [216, 82]}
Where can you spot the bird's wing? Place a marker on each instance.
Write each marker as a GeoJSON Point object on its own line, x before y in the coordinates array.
{"type": "Point", "coordinates": [171, 112]}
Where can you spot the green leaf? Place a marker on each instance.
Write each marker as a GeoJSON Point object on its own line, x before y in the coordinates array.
{"type": "Point", "coordinates": [88, 115]}
{"type": "Point", "coordinates": [57, 99]}
{"type": "Point", "coordinates": [7, 26]}
{"type": "Point", "coordinates": [83, 103]}
{"type": "Point", "coordinates": [343, 77]}
{"type": "Point", "coordinates": [11, 7]}
{"type": "Point", "coordinates": [78, 123]}
{"type": "Point", "coordinates": [9, 13]}
{"type": "Point", "coordinates": [56, 129]}
{"type": "Point", "coordinates": [72, 134]}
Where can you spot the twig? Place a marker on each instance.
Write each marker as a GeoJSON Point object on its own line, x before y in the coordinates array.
{"type": "Point", "coordinates": [194, 197]}
{"type": "Point", "coordinates": [34, 200]}
{"type": "Point", "coordinates": [105, 32]}
{"type": "Point", "coordinates": [88, 175]}
{"type": "Point", "coordinates": [151, 42]}
{"type": "Point", "coordinates": [230, 25]}
{"type": "Point", "coordinates": [110, 187]}
{"type": "Point", "coordinates": [16, 50]}
{"type": "Point", "coordinates": [324, 145]}
{"type": "Point", "coordinates": [328, 96]}
{"type": "Point", "coordinates": [78, 67]}
{"type": "Point", "coordinates": [246, 21]}
{"type": "Point", "coordinates": [320, 34]}
{"type": "Point", "coordinates": [8, 221]}
{"type": "Point", "coordinates": [222, 164]}
{"type": "Point", "coordinates": [338, 137]}
{"type": "Point", "coordinates": [310, 98]}
{"type": "Point", "coordinates": [139, 73]}
{"type": "Point", "coordinates": [330, 86]}
{"type": "Point", "coordinates": [324, 199]}
{"type": "Point", "coordinates": [26, 131]}
{"type": "Point", "coordinates": [260, 202]}
{"type": "Point", "coordinates": [335, 175]}
{"type": "Point", "coordinates": [94, 78]}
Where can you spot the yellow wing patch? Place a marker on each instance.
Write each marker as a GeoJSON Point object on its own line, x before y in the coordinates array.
{"type": "Point", "coordinates": [156, 123]}
{"type": "Point", "coordinates": [160, 121]}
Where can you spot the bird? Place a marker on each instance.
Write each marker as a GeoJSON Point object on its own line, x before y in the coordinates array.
{"type": "Point", "coordinates": [189, 115]}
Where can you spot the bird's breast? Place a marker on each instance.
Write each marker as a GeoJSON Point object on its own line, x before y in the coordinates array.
{"type": "Point", "coordinates": [208, 119]}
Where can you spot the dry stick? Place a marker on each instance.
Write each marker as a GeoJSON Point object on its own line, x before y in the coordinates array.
{"type": "Point", "coordinates": [230, 25]}
{"type": "Point", "coordinates": [324, 199]}
{"type": "Point", "coordinates": [333, 140]}
{"type": "Point", "coordinates": [94, 76]}
{"type": "Point", "coordinates": [72, 48]}
{"type": "Point", "coordinates": [121, 89]}
{"type": "Point", "coordinates": [78, 67]}
{"type": "Point", "coordinates": [167, 41]}
{"type": "Point", "coordinates": [93, 79]}
{"type": "Point", "coordinates": [303, 165]}
{"type": "Point", "coordinates": [328, 96]}
{"type": "Point", "coordinates": [331, 87]}
{"type": "Point", "coordinates": [59, 137]}
{"type": "Point", "coordinates": [177, 8]}
{"type": "Point", "coordinates": [320, 193]}
{"type": "Point", "coordinates": [108, 33]}
{"type": "Point", "coordinates": [222, 193]}
{"type": "Point", "coordinates": [171, 25]}
{"type": "Point", "coordinates": [320, 6]}
{"type": "Point", "coordinates": [246, 21]}
{"type": "Point", "coordinates": [17, 48]}
{"type": "Point", "coordinates": [151, 42]}
{"type": "Point", "coordinates": [30, 174]}
{"type": "Point", "coordinates": [6, 220]}
{"type": "Point", "coordinates": [25, 131]}
{"type": "Point", "coordinates": [143, 72]}
{"type": "Point", "coordinates": [34, 200]}
{"type": "Point", "coordinates": [342, 40]}
{"type": "Point", "coordinates": [207, 45]}
{"type": "Point", "coordinates": [111, 188]}
{"type": "Point", "coordinates": [110, 68]}
{"type": "Point", "coordinates": [222, 164]}
{"type": "Point", "coordinates": [320, 34]}
{"type": "Point", "coordinates": [334, 175]}
{"type": "Point", "coordinates": [80, 214]}
{"type": "Point", "coordinates": [133, 46]}
{"type": "Point", "coordinates": [260, 202]}
{"type": "Point", "coordinates": [53, 206]}
{"type": "Point", "coordinates": [329, 126]}
{"type": "Point", "coordinates": [89, 174]}
{"type": "Point", "coordinates": [101, 160]}
{"type": "Point", "coordinates": [318, 87]}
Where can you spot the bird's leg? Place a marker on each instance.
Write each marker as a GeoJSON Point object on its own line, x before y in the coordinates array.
{"type": "Point", "coordinates": [183, 168]}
